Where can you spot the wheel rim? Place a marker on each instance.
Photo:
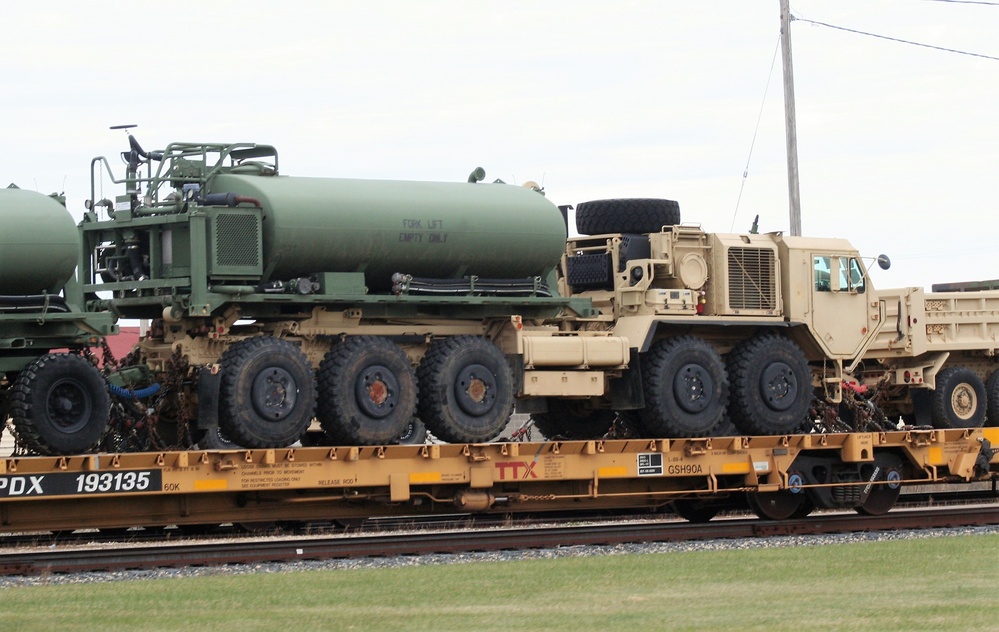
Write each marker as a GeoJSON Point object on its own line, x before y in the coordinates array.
{"type": "Point", "coordinates": [779, 386]}
{"type": "Point", "coordinates": [475, 390]}
{"type": "Point", "coordinates": [274, 393]}
{"type": "Point", "coordinates": [693, 388]}
{"type": "Point", "coordinates": [964, 401]}
{"type": "Point", "coordinates": [69, 406]}
{"type": "Point", "coordinates": [376, 391]}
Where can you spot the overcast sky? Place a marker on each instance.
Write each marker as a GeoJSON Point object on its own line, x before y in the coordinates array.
{"type": "Point", "coordinates": [898, 145]}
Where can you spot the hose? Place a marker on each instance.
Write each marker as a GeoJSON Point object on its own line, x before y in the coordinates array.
{"type": "Point", "coordinates": [125, 393]}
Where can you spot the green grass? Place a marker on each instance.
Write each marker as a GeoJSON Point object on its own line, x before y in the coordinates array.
{"type": "Point", "coordinates": [947, 583]}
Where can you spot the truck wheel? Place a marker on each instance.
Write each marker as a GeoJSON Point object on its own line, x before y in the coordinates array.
{"type": "Point", "coordinates": [628, 215]}
{"type": "Point", "coordinates": [215, 438]}
{"type": "Point", "coordinates": [268, 394]}
{"type": "Point", "coordinates": [466, 389]}
{"type": "Point", "coordinates": [367, 391]}
{"type": "Point", "coordinates": [992, 399]}
{"type": "Point", "coordinates": [959, 399]}
{"type": "Point", "coordinates": [415, 433]}
{"type": "Point", "coordinates": [60, 405]}
{"type": "Point", "coordinates": [771, 385]}
{"type": "Point", "coordinates": [685, 387]}
{"type": "Point", "coordinates": [573, 419]}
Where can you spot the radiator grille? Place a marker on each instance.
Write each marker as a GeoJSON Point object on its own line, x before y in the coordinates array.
{"type": "Point", "coordinates": [236, 240]}
{"type": "Point", "coordinates": [752, 283]}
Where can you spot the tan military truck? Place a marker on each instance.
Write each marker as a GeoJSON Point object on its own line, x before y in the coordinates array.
{"type": "Point", "coordinates": [746, 329]}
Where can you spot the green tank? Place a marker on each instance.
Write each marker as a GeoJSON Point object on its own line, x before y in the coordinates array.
{"type": "Point", "coordinates": [380, 227]}
{"type": "Point", "coordinates": [39, 243]}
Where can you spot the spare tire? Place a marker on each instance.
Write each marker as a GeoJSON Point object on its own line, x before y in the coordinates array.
{"type": "Point", "coordinates": [627, 215]}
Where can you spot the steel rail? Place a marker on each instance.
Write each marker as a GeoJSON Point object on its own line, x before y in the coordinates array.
{"type": "Point", "coordinates": [256, 551]}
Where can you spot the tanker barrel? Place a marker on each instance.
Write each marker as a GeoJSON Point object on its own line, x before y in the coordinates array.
{"type": "Point", "coordinates": [431, 230]}
{"type": "Point", "coordinates": [38, 243]}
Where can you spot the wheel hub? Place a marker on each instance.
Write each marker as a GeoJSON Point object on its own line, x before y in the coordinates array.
{"type": "Point", "coordinates": [68, 406]}
{"type": "Point", "coordinates": [692, 388]}
{"type": "Point", "coordinates": [779, 386]}
{"type": "Point", "coordinates": [476, 390]}
{"type": "Point", "coordinates": [376, 391]}
{"type": "Point", "coordinates": [274, 393]}
{"type": "Point", "coordinates": [964, 401]}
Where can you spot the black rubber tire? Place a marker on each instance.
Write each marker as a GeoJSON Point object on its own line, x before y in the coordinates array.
{"type": "Point", "coordinates": [268, 393]}
{"type": "Point", "coordinates": [959, 399]}
{"type": "Point", "coordinates": [992, 397]}
{"type": "Point", "coordinates": [449, 369]}
{"type": "Point", "coordinates": [367, 391]}
{"type": "Point", "coordinates": [573, 419]}
{"type": "Point", "coordinates": [771, 386]}
{"type": "Point", "coordinates": [626, 215]}
{"type": "Point", "coordinates": [215, 438]}
{"type": "Point", "coordinates": [725, 428]}
{"type": "Point", "coordinates": [60, 405]}
{"type": "Point", "coordinates": [415, 433]}
{"type": "Point", "coordinates": [686, 388]}
{"type": "Point", "coordinates": [631, 423]}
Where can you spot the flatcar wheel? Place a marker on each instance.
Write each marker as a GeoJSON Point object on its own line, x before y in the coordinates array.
{"type": "Point", "coordinates": [694, 510]}
{"type": "Point", "coordinates": [267, 395]}
{"type": "Point", "coordinates": [466, 389]}
{"type": "Point", "coordinates": [780, 505]}
{"type": "Point", "coordinates": [573, 419]}
{"type": "Point", "coordinates": [60, 405]}
{"type": "Point", "coordinates": [685, 386]}
{"type": "Point", "coordinates": [887, 479]}
{"type": "Point", "coordinates": [367, 391]}
{"type": "Point", "coordinates": [771, 385]}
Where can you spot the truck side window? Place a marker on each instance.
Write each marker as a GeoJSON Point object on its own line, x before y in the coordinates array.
{"type": "Point", "coordinates": [857, 280]}
{"type": "Point", "coordinates": [822, 276]}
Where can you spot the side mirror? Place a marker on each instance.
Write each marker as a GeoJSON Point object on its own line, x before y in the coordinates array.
{"type": "Point", "coordinates": [884, 262]}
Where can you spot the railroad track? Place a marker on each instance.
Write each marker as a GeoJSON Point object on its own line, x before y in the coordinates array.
{"type": "Point", "coordinates": [290, 549]}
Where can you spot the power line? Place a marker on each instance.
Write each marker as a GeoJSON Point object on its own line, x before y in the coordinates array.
{"type": "Point", "coordinates": [895, 39]}
{"type": "Point", "coordinates": [992, 4]}
{"type": "Point", "coordinates": [745, 172]}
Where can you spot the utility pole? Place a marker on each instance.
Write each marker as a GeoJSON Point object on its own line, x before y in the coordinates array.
{"type": "Point", "coordinates": [790, 124]}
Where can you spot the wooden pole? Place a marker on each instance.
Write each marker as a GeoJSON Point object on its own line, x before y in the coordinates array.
{"type": "Point", "coordinates": [790, 124]}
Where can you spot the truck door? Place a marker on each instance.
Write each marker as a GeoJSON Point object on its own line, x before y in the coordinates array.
{"type": "Point", "coordinates": [840, 306]}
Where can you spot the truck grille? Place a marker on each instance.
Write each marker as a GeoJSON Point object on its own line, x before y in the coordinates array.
{"type": "Point", "coordinates": [751, 279]}
{"type": "Point", "coordinates": [237, 238]}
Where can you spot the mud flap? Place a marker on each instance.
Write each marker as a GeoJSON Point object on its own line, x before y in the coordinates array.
{"type": "Point", "coordinates": [209, 383]}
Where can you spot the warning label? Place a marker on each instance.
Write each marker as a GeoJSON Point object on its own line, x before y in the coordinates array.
{"type": "Point", "coordinates": [650, 464]}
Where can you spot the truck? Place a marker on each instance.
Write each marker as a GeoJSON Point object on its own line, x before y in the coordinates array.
{"type": "Point", "coordinates": [49, 379]}
{"type": "Point", "coordinates": [363, 305]}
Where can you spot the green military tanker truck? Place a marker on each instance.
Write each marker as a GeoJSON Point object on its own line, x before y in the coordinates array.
{"type": "Point", "coordinates": [278, 301]}
{"type": "Point", "coordinates": [56, 401]}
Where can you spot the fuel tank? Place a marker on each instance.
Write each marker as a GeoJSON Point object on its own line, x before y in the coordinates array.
{"type": "Point", "coordinates": [380, 227]}
{"type": "Point", "coordinates": [39, 243]}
